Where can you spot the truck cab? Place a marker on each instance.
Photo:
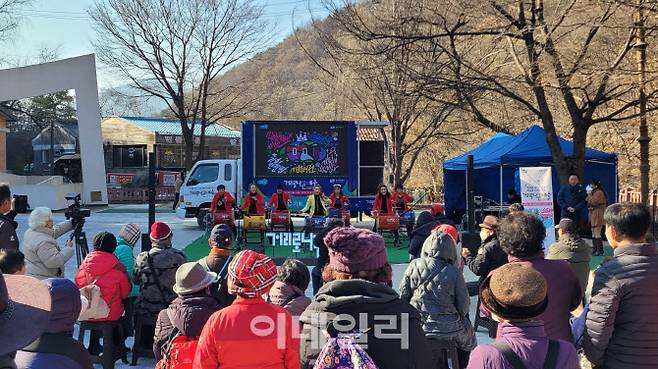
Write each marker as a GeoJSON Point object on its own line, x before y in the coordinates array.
{"type": "Point", "coordinates": [198, 189]}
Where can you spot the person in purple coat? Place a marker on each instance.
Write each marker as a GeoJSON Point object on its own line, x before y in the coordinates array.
{"type": "Point", "coordinates": [516, 295]}
{"type": "Point", "coordinates": [521, 236]}
{"type": "Point", "coordinates": [189, 312]}
{"type": "Point", "coordinates": [56, 348]}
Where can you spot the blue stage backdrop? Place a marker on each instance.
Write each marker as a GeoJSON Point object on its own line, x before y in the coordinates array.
{"type": "Point", "coordinates": [299, 154]}
{"type": "Point", "coordinates": [504, 154]}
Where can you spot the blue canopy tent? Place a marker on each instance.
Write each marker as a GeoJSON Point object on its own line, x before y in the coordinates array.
{"type": "Point", "coordinates": [496, 164]}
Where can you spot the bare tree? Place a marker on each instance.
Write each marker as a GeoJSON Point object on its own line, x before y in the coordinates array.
{"type": "Point", "coordinates": [549, 61]}
{"type": "Point", "coordinates": [9, 19]}
{"type": "Point", "coordinates": [175, 50]}
{"type": "Point", "coordinates": [380, 86]}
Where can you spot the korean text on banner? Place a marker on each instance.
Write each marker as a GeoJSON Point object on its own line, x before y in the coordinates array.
{"type": "Point", "coordinates": [537, 198]}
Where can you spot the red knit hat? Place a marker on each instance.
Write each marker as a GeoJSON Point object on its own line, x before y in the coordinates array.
{"type": "Point", "coordinates": [437, 209]}
{"type": "Point", "coordinates": [160, 231]}
{"type": "Point", "coordinates": [352, 250]}
{"type": "Point", "coordinates": [448, 229]}
{"type": "Point", "coordinates": [250, 274]}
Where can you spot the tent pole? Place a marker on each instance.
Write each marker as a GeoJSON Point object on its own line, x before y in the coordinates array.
{"type": "Point", "coordinates": [616, 184]}
{"type": "Point", "coordinates": [501, 186]}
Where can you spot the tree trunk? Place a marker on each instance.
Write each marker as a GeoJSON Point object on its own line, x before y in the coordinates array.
{"type": "Point", "coordinates": [189, 151]}
{"type": "Point", "coordinates": [397, 158]}
{"type": "Point", "coordinates": [577, 163]}
{"type": "Point", "coordinates": [188, 143]}
{"type": "Point", "coordinates": [644, 139]}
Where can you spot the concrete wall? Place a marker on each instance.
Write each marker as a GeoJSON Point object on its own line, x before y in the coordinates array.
{"type": "Point", "coordinates": [41, 190]}
{"type": "Point", "coordinates": [75, 73]}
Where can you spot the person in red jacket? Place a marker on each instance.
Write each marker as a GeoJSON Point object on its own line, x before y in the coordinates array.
{"type": "Point", "coordinates": [403, 202]}
{"type": "Point", "coordinates": [254, 202]}
{"type": "Point", "coordinates": [401, 199]}
{"type": "Point", "coordinates": [339, 202]}
{"type": "Point", "coordinates": [384, 205]}
{"type": "Point", "coordinates": [338, 199]}
{"type": "Point", "coordinates": [251, 332]}
{"type": "Point", "coordinates": [111, 277]}
{"type": "Point", "coordinates": [279, 200]}
{"type": "Point", "coordinates": [383, 201]}
{"type": "Point", "coordinates": [222, 201]}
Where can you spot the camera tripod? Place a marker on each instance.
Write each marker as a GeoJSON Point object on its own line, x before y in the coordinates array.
{"type": "Point", "coordinates": [79, 237]}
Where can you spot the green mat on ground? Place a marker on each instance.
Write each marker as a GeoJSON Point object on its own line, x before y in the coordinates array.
{"type": "Point", "coordinates": [597, 260]}
{"type": "Point", "coordinates": [134, 210]}
{"type": "Point", "coordinates": [199, 249]}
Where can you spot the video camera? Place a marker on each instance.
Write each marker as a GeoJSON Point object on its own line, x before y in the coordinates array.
{"type": "Point", "coordinates": [77, 214]}
{"type": "Point", "coordinates": [75, 211]}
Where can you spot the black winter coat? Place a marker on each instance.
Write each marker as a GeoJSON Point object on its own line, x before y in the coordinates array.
{"type": "Point", "coordinates": [489, 257]}
{"type": "Point", "coordinates": [622, 323]}
{"type": "Point", "coordinates": [419, 235]}
{"type": "Point", "coordinates": [404, 346]}
{"type": "Point", "coordinates": [8, 238]}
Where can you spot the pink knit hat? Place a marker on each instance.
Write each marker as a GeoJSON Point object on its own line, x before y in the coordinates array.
{"type": "Point", "coordinates": [352, 250]}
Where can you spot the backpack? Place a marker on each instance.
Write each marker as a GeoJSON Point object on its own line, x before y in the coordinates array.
{"type": "Point", "coordinates": [343, 352]}
{"type": "Point", "coordinates": [179, 351]}
{"type": "Point", "coordinates": [94, 307]}
{"type": "Point", "coordinates": [180, 355]}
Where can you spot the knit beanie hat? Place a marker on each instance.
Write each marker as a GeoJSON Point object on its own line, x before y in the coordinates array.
{"type": "Point", "coordinates": [515, 292]}
{"type": "Point", "coordinates": [160, 231]}
{"type": "Point", "coordinates": [250, 274]}
{"type": "Point", "coordinates": [130, 232]}
{"type": "Point", "coordinates": [66, 305]}
{"type": "Point", "coordinates": [105, 241]}
{"type": "Point", "coordinates": [352, 250]}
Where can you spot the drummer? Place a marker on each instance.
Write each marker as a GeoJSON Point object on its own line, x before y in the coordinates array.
{"type": "Point", "coordinates": [402, 201]}
{"type": "Point", "coordinates": [338, 199]}
{"type": "Point", "coordinates": [316, 203]}
{"type": "Point", "coordinates": [338, 202]}
{"type": "Point", "coordinates": [254, 202]}
{"type": "Point", "coordinates": [384, 205]}
{"type": "Point", "coordinates": [222, 201]}
{"type": "Point", "coordinates": [280, 201]}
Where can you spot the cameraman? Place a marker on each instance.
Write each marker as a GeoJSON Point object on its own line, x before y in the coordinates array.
{"type": "Point", "coordinates": [8, 238]}
{"type": "Point", "coordinates": [43, 257]}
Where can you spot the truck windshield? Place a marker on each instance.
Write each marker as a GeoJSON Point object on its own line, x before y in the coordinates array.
{"type": "Point", "coordinates": [204, 173]}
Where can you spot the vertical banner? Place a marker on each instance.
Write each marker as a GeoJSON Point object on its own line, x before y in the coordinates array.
{"type": "Point", "coordinates": [537, 198]}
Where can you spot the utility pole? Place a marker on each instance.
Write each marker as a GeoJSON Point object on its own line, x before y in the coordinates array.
{"type": "Point", "coordinates": [52, 146]}
{"type": "Point", "coordinates": [644, 139]}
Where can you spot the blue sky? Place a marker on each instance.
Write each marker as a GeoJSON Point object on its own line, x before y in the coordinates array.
{"type": "Point", "coordinates": [64, 24]}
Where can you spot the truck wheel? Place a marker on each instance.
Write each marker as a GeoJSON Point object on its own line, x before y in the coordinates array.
{"type": "Point", "coordinates": [201, 218]}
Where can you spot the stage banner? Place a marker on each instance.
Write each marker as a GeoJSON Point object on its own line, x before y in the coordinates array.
{"type": "Point", "coordinates": [537, 198]}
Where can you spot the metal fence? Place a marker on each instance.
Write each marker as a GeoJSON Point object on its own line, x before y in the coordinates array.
{"type": "Point", "coordinates": [139, 195]}
{"type": "Point", "coordinates": [635, 196]}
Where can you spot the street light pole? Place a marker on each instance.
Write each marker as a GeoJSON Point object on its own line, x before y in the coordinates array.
{"type": "Point", "coordinates": [52, 147]}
